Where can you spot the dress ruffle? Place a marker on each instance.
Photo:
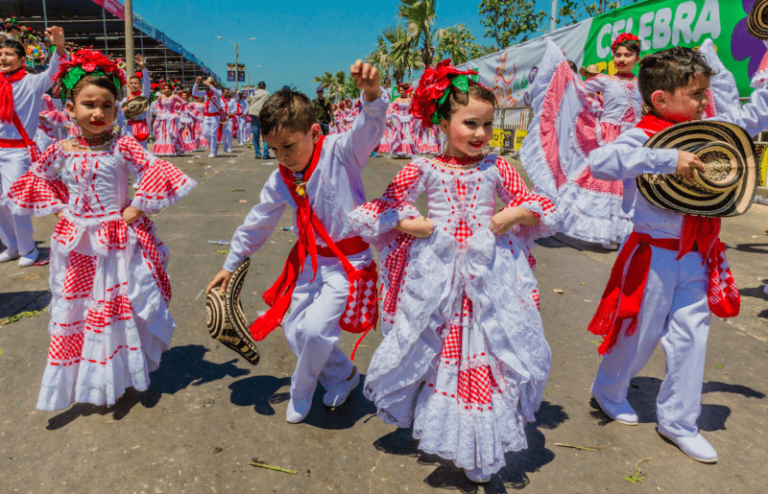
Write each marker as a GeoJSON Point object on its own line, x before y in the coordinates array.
{"type": "Point", "coordinates": [33, 195]}
{"type": "Point", "coordinates": [502, 289]}
{"type": "Point", "coordinates": [162, 185]}
{"type": "Point", "coordinates": [109, 320]}
{"type": "Point", "coordinates": [564, 128]}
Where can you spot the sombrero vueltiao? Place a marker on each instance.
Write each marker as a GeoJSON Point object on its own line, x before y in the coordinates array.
{"type": "Point", "coordinates": [135, 107]}
{"type": "Point", "coordinates": [727, 188]}
{"type": "Point", "coordinates": [226, 320]}
{"type": "Point", "coordinates": [757, 22]}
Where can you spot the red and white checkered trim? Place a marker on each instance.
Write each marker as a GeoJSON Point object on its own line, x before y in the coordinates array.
{"type": "Point", "coordinates": [396, 265]}
{"type": "Point", "coordinates": [362, 311]}
{"type": "Point", "coordinates": [81, 270]}
{"type": "Point", "coordinates": [152, 255]}
{"type": "Point", "coordinates": [519, 194]}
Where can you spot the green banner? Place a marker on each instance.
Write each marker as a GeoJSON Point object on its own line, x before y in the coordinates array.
{"type": "Point", "coordinates": [663, 24]}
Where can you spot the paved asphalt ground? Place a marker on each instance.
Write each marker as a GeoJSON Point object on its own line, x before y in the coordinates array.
{"type": "Point", "coordinates": [208, 412]}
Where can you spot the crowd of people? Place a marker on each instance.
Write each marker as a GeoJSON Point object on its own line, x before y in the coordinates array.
{"type": "Point", "coordinates": [464, 360]}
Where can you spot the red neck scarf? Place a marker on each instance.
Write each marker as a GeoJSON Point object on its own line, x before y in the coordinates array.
{"type": "Point", "coordinates": [133, 95]}
{"type": "Point", "coordinates": [6, 93]}
{"type": "Point", "coordinates": [278, 297]}
{"type": "Point", "coordinates": [623, 296]}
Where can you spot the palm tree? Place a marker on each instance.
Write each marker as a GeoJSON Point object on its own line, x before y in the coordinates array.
{"type": "Point", "coordinates": [381, 59]}
{"type": "Point", "coordinates": [331, 83]}
{"type": "Point", "coordinates": [404, 59]}
{"type": "Point", "coordinates": [419, 17]}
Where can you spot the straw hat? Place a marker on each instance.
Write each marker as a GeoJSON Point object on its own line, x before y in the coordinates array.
{"type": "Point", "coordinates": [757, 22]}
{"type": "Point", "coordinates": [589, 70]}
{"type": "Point", "coordinates": [225, 317]}
{"type": "Point", "coordinates": [135, 107]}
{"type": "Point", "coordinates": [726, 188]}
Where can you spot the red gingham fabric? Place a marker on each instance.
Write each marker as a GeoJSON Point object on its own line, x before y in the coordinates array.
{"type": "Point", "coordinates": [463, 231]}
{"type": "Point", "coordinates": [476, 384]}
{"type": "Point", "coordinates": [65, 231]}
{"type": "Point", "coordinates": [362, 311]}
{"type": "Point", "coordinates": [397, 191]}
{"type": "Point", "coordinates": [149, 248]}
{"type": "Point", "coordinates": [161, 179]}
{"type": "Point", "coordinates": [113, 234]}
{"type": "Point", "coordinates": [396, 264]}
{"type": "Point", "coordinates": [66, 349]}
{"type": "Point", "coordinates": [79, 279]}
{"type": "Point", "coordinates": [516, 187]}
{"type": "Point", "coordinates": [107, 312]}
{"type": "Point", "coordinates": [40, 188]}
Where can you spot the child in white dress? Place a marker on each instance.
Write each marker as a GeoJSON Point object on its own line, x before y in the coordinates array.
{"type": "Point", "coordinates": [464, 359]}
{"type": "Point", "coordinates": [110, 291]}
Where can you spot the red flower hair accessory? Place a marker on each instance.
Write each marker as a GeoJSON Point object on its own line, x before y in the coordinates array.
{"type": "Point", "coordinates": [435, 86]}
{"type": "Point", "coordinates": [84, 63]}
{"type": "Point", "coordinates": [625, 37]}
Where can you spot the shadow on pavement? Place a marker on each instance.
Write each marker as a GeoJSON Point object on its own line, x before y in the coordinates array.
{"type": "Point", "coordinates": [260, 392]}
{"type": "Point", "coordinates": [754, 248]}
{"type": "Point", "coordinates": [515, 473]}
{"type": "Point", "coordinates": [756, 292]}
{"type": "Point", "coordinates": [642, 396]}
{"type": "Point", "coordinates": [14, 302]}
{"type": "Point", "coordinates": [180, 367]}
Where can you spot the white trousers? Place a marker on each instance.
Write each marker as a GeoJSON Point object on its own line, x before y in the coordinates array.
{"type": "Point", "coordinates": [242, 131]}
{"type": "Point", "coordinates": [211, 132]}
{"type": "Point", "coordinates": [675, 311]}
{"type": "Point", "coordinates": [15, 231]}
{"type": "Point", "coordinates": [312, 328]}
{"type": "Point", "coordinates": [226, 135]}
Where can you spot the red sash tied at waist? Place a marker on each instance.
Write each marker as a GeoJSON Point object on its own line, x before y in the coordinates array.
{"type": "Point", "coordinates": [623, 296]}
{"type": "Point", "coordinates": [12, 143]}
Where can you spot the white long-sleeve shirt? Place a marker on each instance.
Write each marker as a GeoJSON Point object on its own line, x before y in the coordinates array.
{"type": "Point", "coordinates": [27, 98]}
{"type": "Point", "coordinates": [626, 158]}
{"type": "Point", "coordinates": [243, 111]}
{"type": "Point", "coordinates": [334, 189]}
{"type": "Point", "coordinates": [213, 100]}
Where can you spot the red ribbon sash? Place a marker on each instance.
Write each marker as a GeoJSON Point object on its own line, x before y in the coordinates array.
{"type": "Point", "coordinates": [623, 296]}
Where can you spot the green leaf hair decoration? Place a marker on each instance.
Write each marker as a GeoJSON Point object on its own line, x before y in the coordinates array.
{"type": "Point", "coordinates": [75, 75]}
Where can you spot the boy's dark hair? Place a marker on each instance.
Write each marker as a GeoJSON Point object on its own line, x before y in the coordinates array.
{"type": "Point", "coordinates": [16, 46]}
{"type": "Point", "coordinates": [102, 81]}
{"type": "Point", "coordinates": [134, 76]}
{"type": "Point", "coordinates": [459, 98]}
{"type": "Point", "coordinates": [287, 109]}
{"type": "Point", "coordinates": [573, 67]}
{"type": "Point", "coordinates": [670, 69]}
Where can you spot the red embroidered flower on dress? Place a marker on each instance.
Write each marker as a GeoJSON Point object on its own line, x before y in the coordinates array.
{"type": "Point", "coordinates": [625, 37]}
{"type": "Point", "coordinates": [432, 87]}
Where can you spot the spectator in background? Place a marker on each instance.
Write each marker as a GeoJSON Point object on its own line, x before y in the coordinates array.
{"type": "Point", "coordinates": [323, 110]}
{"type": "Point", "coordinates": [255, 103]}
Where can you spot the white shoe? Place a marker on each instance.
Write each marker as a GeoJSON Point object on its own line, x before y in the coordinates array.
{"type": "Point", "coordinates": [477, 476]}
{"type": "Point", "coordinates": [9, 255]}
{"type": "Point", "coordinates": [336, 397]}
{"type": "Point", "coordinates": [697, 447]}
{"type": "Point", "coordinates": [28, 260]}
{"type": "Point", "coordinates": [297, 411]}
{"type": "Point", "coordinates": [610, 245]}
{"type": "Point", "coordinates": [211, 155]}
{"type": "Point", "coordinates": [622, 413]}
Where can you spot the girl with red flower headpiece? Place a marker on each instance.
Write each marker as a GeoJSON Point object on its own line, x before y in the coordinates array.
{"type": "Point", "coordinates": [568, 124]}
{"type": "Point", "coordinates": [464, 359]}
{"type": "Point", "coordinates": [20, 100]}
{"type": "Point", "coordinates": [109, 289]}
{"type": "Point", "coordinates": [166, 127]}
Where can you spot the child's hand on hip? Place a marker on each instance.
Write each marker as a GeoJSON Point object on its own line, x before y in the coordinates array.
{"type": "Point", "coordinates": [367, 79]}
{"type": "Point", "coordinates": [420, 227]}
{"type": "Point", "coordinates": [131, 214]}
{"type": "Point", "coordinates": [509, 217]}
{"type": "Point", "coordinates": [686, 162]}
{"type": "Point", "coordinates": [222, 277]}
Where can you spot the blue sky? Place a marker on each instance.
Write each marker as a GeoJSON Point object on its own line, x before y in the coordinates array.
{"type": "Point", "coordinates": [296, 40]}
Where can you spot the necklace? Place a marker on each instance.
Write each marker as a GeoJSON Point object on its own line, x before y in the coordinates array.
{"type": "Point", "coordinates": [622, 75]}
{"type": "Point", "coordinates": [94, 142]}
{"type": "Point", "coordinates": [458, 162]}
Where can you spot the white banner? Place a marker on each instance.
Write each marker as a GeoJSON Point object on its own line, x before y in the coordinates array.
{"type": "Point", "coordinates": [510, 72]}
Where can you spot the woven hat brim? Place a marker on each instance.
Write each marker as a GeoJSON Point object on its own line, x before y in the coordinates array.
{"type": "Point", "coordinates": [757, 22]}
{"type": "Point", "coordinates": [671, 193]}
{"type": "Point", "coordinates": [135, 107]}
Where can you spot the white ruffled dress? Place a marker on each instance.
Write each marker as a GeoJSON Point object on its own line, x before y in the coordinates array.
{"type": "Point", "coordinates": [464, 356]}
{"type": "Point", "coordinates": [110, 292]}
{"type": "Point", "coordinates": [568, 124]}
